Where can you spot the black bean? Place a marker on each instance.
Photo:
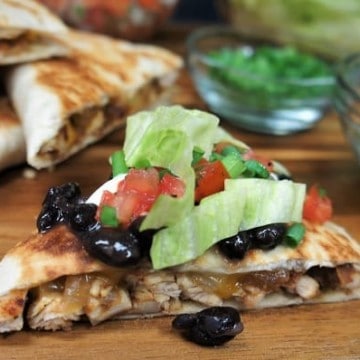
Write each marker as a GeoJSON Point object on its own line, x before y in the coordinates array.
{"type": "Point", "coordinates": [62, 206]}
{"type": "Point", "coordinates": [113, 246]}
{"type": "Point", "coordinates": [82, 217]}
{"type": "Point", "coordinates": [267, 237]}
{"type": "Point", "coordinates": [284, 177]}
{"type": "Point", "coordinates": [184, 321]}
{"type": "Point", "coordinates": [235, 247]}
{"type": "Point", "coordinates": [210, 327]}
{"type": "Point", "coordinates": [48, 217]}
{"type": "Point", "coordinates": [69, 191]}
{"type": "Point", "coordinates": [263, 237]}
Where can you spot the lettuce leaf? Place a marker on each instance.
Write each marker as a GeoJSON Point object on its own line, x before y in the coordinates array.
{"type": "Point", "coordinates": [166, 137]}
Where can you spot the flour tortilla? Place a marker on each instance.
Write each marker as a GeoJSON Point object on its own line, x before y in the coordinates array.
{"type": "Point", "coordinates": [76, 101]}
{"type": "Point", "coordinates": [28, 32]}
{"type": "Point", "coordinates": [12, 141]}
{"type": "Point", "coordinates": [57, 260]}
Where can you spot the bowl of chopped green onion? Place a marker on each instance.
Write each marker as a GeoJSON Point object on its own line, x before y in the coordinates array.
{"type": "Point", "coordinates": [256, 85]}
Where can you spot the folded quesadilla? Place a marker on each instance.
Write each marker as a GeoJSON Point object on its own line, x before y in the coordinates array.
{"type": "Point", "coordinates": [12, 142]}
{"type": "Point", "coordinates": [27, 32]}
{"type": "Point", "coordinates": [121, 255]}
{"type": "Point", "coordinates": [66, 104]}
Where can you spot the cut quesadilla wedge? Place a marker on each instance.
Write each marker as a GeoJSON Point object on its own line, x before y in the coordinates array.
{"type": "Point", "coordinates": [28, 32]}
{"type": "Point", "coordinates": [62, 291]}
{"type": "Point", "coordinates": [12, 142]}
{"type": "Point", "coordinates": [66, 104]}
{"type": "Point", "coordinates": [130, 250]}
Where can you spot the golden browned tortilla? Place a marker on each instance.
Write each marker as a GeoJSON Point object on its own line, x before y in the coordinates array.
{"type": "Point", "coordinates": [65, 285]}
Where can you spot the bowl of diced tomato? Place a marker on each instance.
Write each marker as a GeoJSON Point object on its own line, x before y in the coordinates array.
{"type": "Point", "coordinates": [128, 19]}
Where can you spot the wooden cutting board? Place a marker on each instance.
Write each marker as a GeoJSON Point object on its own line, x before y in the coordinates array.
{"type": "Point", "coordinates": [329, 331]}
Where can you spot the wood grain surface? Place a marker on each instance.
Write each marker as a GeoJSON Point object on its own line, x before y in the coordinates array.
{"type": "Point", "coordinates": [328, 331]}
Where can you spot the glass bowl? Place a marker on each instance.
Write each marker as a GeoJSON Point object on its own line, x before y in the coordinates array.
{"type": "Point", "coordinates": [347, 99]}
{"type": "Point", "coordinates": [265, 104]}
{"type": "Point", "coordinates": [135, 20]}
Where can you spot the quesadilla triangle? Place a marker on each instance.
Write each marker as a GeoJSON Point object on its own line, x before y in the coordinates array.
{"type": "Point", "coordinates": [12, 141]}
{"type": "Point", "coordinates": [192, 218]}
{"type": "Point", "coordinates": [66, 104]}
{"type": "Point", "coordinates": [28, 32]}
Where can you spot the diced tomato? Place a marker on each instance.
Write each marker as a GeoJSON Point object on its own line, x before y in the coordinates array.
{"type": "Point", "coordinates": [138, 191]}
{"type": "Point", "coordinates": [172, 185]}
{"type": "Point", "coordinates": [141, 180]}
{"type": "Point", "coordinates": [210, 177]}
{"type": "Point", "coordinates": [251, 155]}
{"type": "Point", "coordinates": [107, 198]}
{"type": "Point", "coordinates": [317, 206]}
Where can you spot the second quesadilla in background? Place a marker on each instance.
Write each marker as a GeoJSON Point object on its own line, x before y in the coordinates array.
{"type": "Point", "coordinates": [67, 104]}
{"type": "Point", "coordinates": [27, 32]}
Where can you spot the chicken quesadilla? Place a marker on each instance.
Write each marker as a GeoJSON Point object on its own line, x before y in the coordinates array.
{"type": "Point", "coordinates": [192, 218]}
{"type": "Point", "coordinates": [12, 142]}
{"type": "Point", "coordinates": [80, 99]}
{"type": "Point", "coordinates": [28, 32]}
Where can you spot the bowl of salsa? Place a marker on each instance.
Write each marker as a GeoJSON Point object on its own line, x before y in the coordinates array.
{"type": "Point", "coordinates": [129, 19]}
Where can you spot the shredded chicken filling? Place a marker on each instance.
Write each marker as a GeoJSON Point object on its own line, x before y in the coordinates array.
{"type": "Point", "coordinates": [100, 296]}
{"type": "Point", "coordinates": [93, 121]}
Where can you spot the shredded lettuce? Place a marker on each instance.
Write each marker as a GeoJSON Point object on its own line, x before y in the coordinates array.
{"type": "Point", "coordinates": [243, 205]}
{"type": "Point", "coordinates": [167, 137]}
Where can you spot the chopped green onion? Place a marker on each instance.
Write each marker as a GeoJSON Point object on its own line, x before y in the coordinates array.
{"type": "Point", "coordinates": [256, 169]}
{"type": "Point", "coordinates": [215, 156]}
{"type": "Point", "coordinates": [294, 235]}
{"type": "Point", "coordinates": [108, 216]}
{"type": "Point", "coordinates": [143, 164]}
{"type": "Point", "coordinates": [118, 163]}
{"type": "Point", "coordinates": [230, 149]}
{"type": "Point", "coordinates": [233, 165]}
{"type": "Point", "coordinates": [197, 154]}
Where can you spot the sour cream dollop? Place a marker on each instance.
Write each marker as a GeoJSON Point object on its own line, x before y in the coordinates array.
{"type": "Point", "coordinates": [110, 185]}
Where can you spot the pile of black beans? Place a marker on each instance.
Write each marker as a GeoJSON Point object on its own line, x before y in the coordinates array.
{"type": "Point", "coordinates": [118, 246]}
{"type": "Point", "coordinates": [114, 246]}
{"type": "Point", "coordinates": [64, 205]}
{"type": "Point", "coordinates": [210, 327]}
{"type": "Point", "coordinates": [264, 237]}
